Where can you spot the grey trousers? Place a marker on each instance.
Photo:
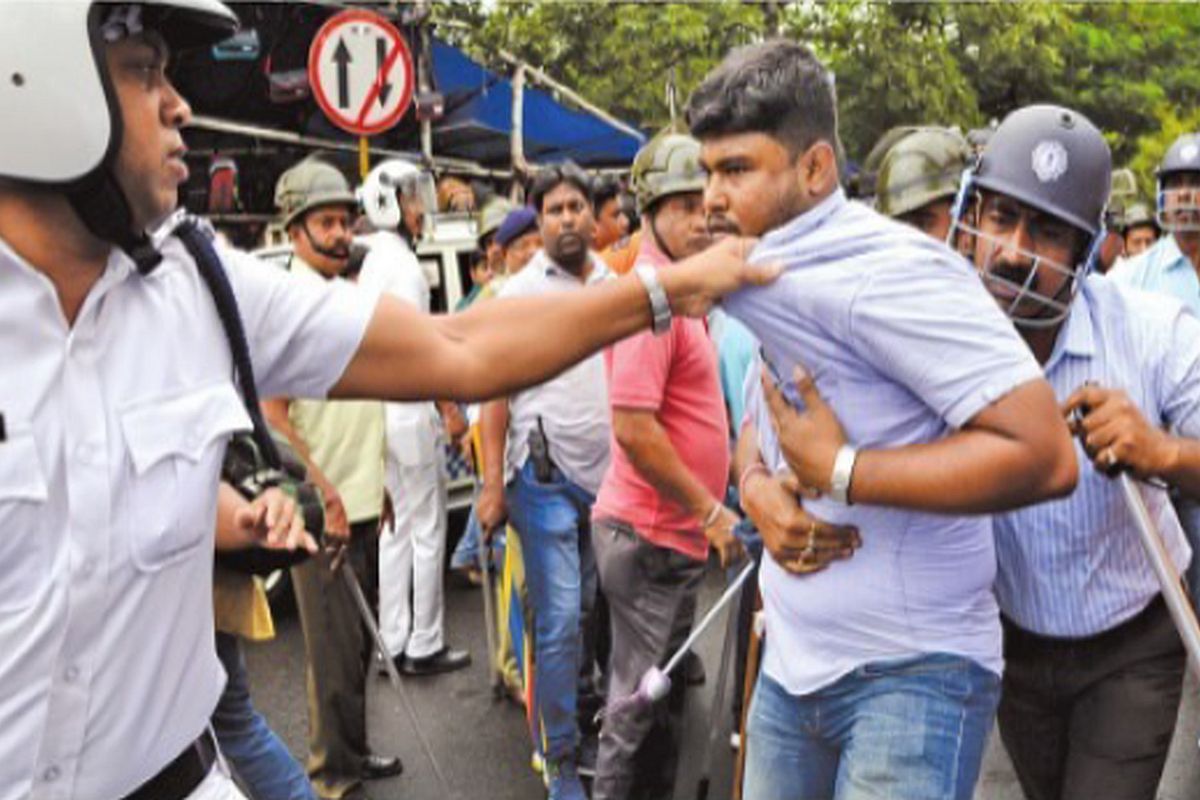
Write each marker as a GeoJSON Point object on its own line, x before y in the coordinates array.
{"type": "Point", "coordinates": [651, 595]}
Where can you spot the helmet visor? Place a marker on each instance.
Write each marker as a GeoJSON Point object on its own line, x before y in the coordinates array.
{"type": "Point", "coordinates": [1033, 290]}
{"type": "Point", "coordinates": [418, 198]}
{"type": "Point", "coordinates": [1179, 208]}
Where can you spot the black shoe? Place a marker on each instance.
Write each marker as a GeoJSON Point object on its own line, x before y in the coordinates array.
{"type": "Point", "coordinates": [444, 660]}
{"type": "Point", "coordinates": [693, 669]}
{"type": "Point", "coordinates": [376, 766]}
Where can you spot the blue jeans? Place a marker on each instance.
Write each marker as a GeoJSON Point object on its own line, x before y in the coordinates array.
{"type": "Point", "coordinates": [553, 520]}
{"type": "Point", "coordinates": [912, 729]}
{"type": "Point", "coordinates": [258, 758]}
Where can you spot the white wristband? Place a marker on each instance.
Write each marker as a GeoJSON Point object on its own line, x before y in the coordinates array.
{"type": "Point", "coordinates": [843, 473]}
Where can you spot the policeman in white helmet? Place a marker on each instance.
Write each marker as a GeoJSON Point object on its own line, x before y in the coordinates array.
{"type": "Point", "coordinates": [396, 197]}
{"type": "Point", "coordinates": [119, 399]}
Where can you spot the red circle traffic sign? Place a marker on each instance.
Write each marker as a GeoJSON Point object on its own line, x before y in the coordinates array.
{"type": "Point", "coordinates": [361, 72]}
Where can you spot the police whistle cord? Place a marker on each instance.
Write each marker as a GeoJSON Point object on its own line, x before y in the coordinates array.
{"type": "Point", "coordinates": [368, 617]}
{"type": "Point", "coordinates": [655, 684]}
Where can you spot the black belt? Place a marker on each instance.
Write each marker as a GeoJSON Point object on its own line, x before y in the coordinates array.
{"type": "Point", "coordinates": [180, 778]}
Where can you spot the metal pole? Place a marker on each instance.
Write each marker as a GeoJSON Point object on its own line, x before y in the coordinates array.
{"type": "Point", "coordinates": [368, 618]}
{"type": "Point", "coordinates": [1182, 613]}
{"type": "Point", "coordinates": [697, 631]}
{"type": "Point", "coordinates": [716, 712]}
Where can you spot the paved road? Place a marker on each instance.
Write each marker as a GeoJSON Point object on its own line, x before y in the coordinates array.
{"type": "Point", "coordinates": [482, 745]}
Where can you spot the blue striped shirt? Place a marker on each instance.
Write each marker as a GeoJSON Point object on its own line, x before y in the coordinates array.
{"type": "Point", "coordinates": [1163, 269]}
{"type": "Point", "coordinates": [906, 345]}
{"type": "Point", "coordinates": [1075, 567]}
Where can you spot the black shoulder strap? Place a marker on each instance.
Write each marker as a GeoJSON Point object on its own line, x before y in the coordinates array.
{"type": "Point", "coordinates": [200, 246]}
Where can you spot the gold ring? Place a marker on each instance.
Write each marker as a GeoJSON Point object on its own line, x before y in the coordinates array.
{"type": "Point", "coordinates": [812, 532]}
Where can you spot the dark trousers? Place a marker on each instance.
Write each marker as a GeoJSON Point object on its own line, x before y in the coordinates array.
{"type": "Point", "coordinates": [651, 593]}
{"type": "Point", "coordinates": [1092, 718]}
{"type": "Point", "coordinates": [335, 646]}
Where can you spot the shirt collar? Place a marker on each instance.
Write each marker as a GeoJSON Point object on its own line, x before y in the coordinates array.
{"type": "Point", "coordinates": [1076, 339]}
{"type": "Point", "coordinates": [1172, 255]}
{"type": "Point", "coordinates": [651, 253]}
{"type": "Point", "coordinates": [549, 268]}
{"type": "Point", "coordinates": [807, 222]}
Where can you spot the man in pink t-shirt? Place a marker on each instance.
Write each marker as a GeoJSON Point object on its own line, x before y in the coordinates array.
{"type": "Point", "coordinates": [660, 504]}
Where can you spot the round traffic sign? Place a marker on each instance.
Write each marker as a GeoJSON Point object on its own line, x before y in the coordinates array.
{"type": "Point", "coordinates": [361, 72]}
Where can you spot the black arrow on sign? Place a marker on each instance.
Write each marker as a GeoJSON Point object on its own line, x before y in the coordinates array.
{"type": "Point", "coordinates": [385, 88]}
{"type": "Point", "coordinates": [341, 57]}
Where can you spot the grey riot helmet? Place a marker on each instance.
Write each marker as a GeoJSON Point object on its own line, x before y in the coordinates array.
{"type": "Point", "coordinates": [1053, 160]}
{"type": "Point", "coordinates": [920, 168]}
{"type": "Point", "coordinates": [66, 127]}
{"type": "Point", "coordinates": [1179, 208]}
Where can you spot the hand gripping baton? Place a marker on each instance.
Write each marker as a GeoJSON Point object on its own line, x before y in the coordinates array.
{"type": "Point", "coordinates": [368, 618]}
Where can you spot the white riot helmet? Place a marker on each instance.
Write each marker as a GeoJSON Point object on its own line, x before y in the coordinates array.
{"type": "Point", "coordinates": [385, 185]}
{"type": "Point", "coordinates": [64, 127]}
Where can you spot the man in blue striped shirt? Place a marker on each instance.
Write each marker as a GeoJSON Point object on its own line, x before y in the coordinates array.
{"type": "Point", "coordinates": [882, 670]}
{"type": "Point", "coordinates": [1094, 664]}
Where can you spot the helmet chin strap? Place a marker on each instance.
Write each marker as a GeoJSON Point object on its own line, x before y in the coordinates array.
{"type": "Point", "coordinates": [105, 212]}
{"type": "Point", "coordinates": [329, 253]}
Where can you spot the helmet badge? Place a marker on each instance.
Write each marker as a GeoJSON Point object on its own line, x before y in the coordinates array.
{"type": "Point", "coordinates": [1049, 160]}
{"type": "Point", "coordinates": [1189, 152]}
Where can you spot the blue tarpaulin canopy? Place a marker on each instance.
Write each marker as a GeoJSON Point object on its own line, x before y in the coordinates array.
{"type": "Point", "coordinates": [478, 120]}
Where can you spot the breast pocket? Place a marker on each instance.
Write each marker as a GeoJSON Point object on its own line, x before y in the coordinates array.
{"type": "Point", "coordinates": [176, 445]}
{"type": "Point", "coordinates": [24, 566]}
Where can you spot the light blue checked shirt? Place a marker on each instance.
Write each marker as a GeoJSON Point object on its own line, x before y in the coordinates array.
{"type": "Point", "coordinates": [1075, 567]}
{"type": "Point", "coordinates": [906, 345]}
{"type": "Point", "coordinates": [1162, 269]}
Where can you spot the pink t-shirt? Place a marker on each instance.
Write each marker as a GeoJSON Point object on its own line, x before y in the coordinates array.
{"type": "Point", "coordinates": [674, 375]}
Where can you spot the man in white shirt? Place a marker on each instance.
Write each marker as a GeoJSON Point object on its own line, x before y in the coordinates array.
{"type": "Point", "coordinates": [545, 451]}
{"type": "Point", "coordinates": [118, 399]}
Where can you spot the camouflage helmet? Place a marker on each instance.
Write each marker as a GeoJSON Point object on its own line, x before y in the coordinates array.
{"type": "Point", "coordinates": [1138, 214]}
{"type": "Point", "coordinates": [492, 216]}
{"type": "Point", "coordinates": [669, 164]}
{"type": "Point", "coordinates": [311, 184]}
{"type": "Point", "coordinates": [923, 166]}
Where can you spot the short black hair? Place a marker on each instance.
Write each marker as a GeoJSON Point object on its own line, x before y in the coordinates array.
{"type": "Point", "coordinates": [603, 190]}
{"type": "Point", "coordinates": [777, 87]}
{"type": "Point", "coordinates": [550, 178]}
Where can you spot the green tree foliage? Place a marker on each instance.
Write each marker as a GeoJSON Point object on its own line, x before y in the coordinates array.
{"type": "Point", "coordinates": [1130, 67]}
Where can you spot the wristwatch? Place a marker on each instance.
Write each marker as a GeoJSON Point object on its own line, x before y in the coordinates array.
{"type": "Point", "coordinates": [660, 308]}
{"type": "Point", "coordinates": [843, 472]}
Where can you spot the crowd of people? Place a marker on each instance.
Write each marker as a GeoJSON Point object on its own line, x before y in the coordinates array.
{"type": "Point", "coordinates": [911, 404]}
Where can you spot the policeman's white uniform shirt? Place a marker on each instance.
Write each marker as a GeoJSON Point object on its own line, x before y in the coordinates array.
{"type": "Point", "coordinates": [411, 553]}
{"type": "Point", "coordinates": [573, 405]}
{"type": "Point", "coordinates": [391, 266]}
{"type": "Point", "coordinates": [1075, 566]}
{"type": "Point", "coordinates": [906, 345]}
{"type": "Point", "coordinates": [116, 428]}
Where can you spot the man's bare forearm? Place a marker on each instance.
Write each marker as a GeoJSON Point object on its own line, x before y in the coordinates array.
{"type": "Point", "coordinates": [275, 410]}
{"type": "Point", "coordinates": [493, 432]}
{"type": "Point", "coordinates": [1014, 453]}
{"type": "Point", "coordinates": [1183, 470]}
{"type": "Point", "coordinates": [491, 349]}
{"type": "Point", "coordinates": [651, 453]}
